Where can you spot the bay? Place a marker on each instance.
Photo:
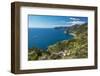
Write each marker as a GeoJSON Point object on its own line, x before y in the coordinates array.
{"type": "Point", "coordinates": [44, 37]}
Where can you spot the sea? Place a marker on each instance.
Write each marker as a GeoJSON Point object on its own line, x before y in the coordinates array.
{"type": "Point", "coordinates": [44, 37]}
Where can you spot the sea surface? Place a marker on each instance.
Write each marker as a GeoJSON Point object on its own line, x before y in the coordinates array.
{"type": "Point", "coordinates": [43, 37]}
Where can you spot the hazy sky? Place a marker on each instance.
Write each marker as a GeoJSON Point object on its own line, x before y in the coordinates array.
{"type": "Point", "coordinates": [44, 21]}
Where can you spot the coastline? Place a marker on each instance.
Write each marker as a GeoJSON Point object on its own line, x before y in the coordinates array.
{"type": "Point", "coordinates": [65, 49]}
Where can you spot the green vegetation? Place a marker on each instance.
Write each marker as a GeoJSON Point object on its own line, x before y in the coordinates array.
{"type": "Point", "coordinates": [66, 49]}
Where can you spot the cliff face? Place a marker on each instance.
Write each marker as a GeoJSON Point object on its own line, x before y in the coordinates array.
{"type": "Point", "coordinates": [67, 49]}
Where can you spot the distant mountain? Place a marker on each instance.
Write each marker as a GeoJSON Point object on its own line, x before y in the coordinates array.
{"type": "Point", "coordinates": [76, 26]}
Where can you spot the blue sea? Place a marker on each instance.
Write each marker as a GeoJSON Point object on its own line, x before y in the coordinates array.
{"type": "Point", "coordinates": [43, 37]}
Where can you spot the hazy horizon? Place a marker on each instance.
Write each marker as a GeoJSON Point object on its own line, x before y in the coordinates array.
{"type": "Point", "coordinates": [44, 21]}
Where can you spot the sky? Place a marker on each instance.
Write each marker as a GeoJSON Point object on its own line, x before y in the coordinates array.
{"type": "Point", "coordinates": [47, 21]}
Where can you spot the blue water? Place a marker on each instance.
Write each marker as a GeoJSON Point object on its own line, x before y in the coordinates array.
{"type": "Point", "coordinates": [43, 37]}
